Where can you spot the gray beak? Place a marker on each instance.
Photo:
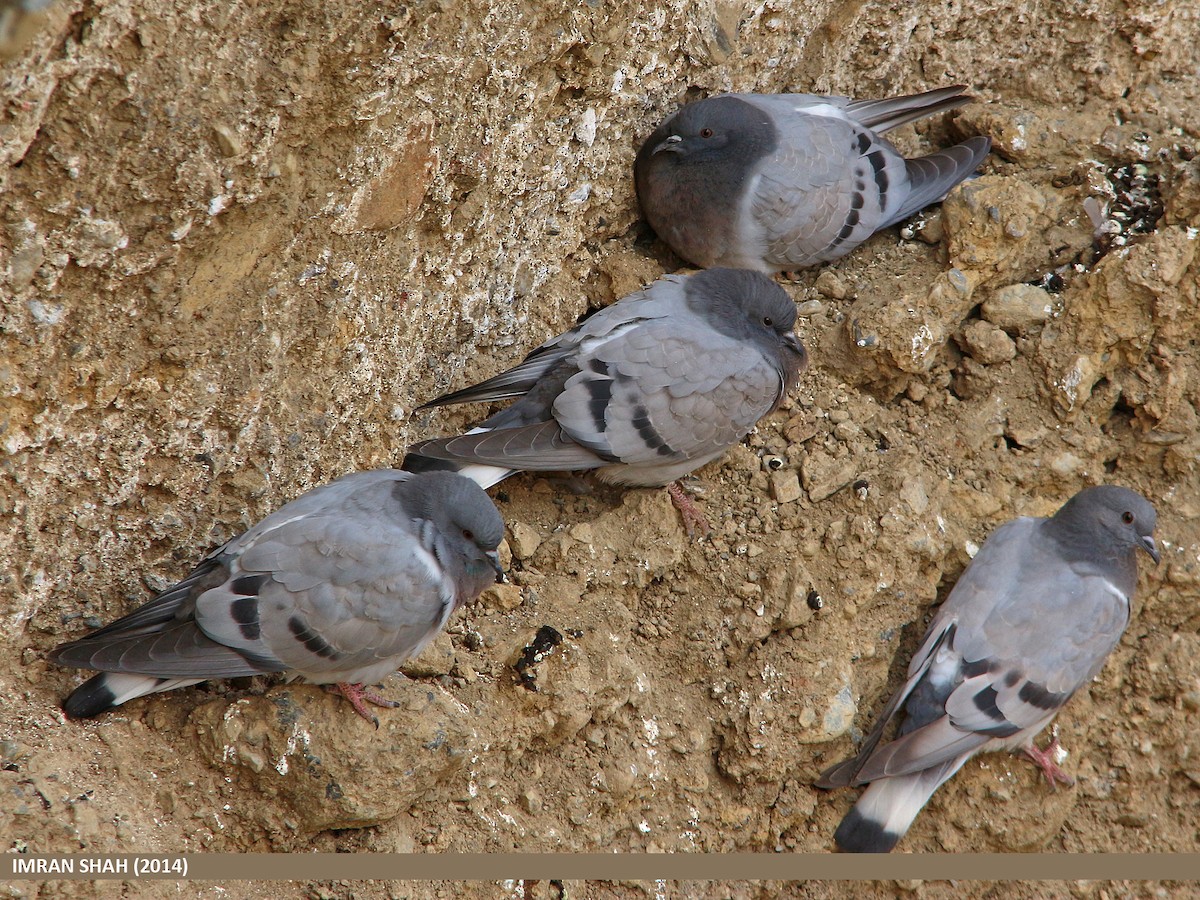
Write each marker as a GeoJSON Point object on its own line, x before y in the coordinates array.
{"type": "Point", "coordinates": [494, 559]}
{"type": "Point", "coordinates": [670, 145]}
{"type": "Point", "coordinates": [1150, 547]}
{"type": "Point", "coordinates": [793, 343]}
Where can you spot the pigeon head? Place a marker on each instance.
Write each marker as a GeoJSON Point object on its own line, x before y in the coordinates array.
{"type": "Point", "coordinates": [467, 522]}
{"type": "Point", "coordinates": [1108, 521]}
{"type": "Point", "coordinates": [718, 130]}
{"type": "Point", "coordinates": [692, 173]}
{"type": "Point", "coordinates": [748, 305]}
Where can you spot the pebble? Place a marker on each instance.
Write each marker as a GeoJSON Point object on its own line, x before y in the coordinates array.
{"type": "Point", "coordinates": [785, 486]}
{"type": "Point", "coordinates": [1018, 307]}
{"type": "Point", "coordinates": [987, 343]}
{"type": "Point", "coordinates": [823, 475]}
{"type": "Point", "coordinates": [829, 285]}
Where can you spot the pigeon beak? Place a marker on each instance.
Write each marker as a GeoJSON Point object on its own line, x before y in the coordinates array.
{"type": "Point", "coordinates": [1150, 547]}
{"type": "Point", "coordinates": [494, 559]}
{"type": "Point", "coordinates": [670, 145]}
{"type": "Point", "coordinates": [793, 343]}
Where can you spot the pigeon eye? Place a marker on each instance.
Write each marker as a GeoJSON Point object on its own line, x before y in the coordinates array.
{"type": "Point", "coordinates": [706, 132]}
{"type": "Point", "coordinates": [768, 321]}
{"type": "Point", "coordinates": [468, 534]}
{"type": "Point", "coordinates": [1127, 518]}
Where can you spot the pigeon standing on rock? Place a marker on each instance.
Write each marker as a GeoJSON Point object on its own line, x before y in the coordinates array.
{"type": "Point", "coordinates": [644, 391]}
{"type": "Point", "coordinates": [775, 182]}
{"type": "Point", "coordinates": [338, 587]}
{"type": "Point", "coordinates": [1029, 623]}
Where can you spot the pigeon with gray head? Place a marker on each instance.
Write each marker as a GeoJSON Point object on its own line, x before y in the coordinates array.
{"type": "Point", "coordinates": [775, 182]}
{"type": "Point", "coordinates": [1029, 623]}
{"type": "Point", "coordinates": [644, 391]}
{"type": "Point", "coordinates": [338, 587]}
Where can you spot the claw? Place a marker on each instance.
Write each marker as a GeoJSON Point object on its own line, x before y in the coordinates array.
{"type": "Point", "coordinates": [359, 695]}
{"type": "Point", "coordinates": [693, 518]}
{"type": "Point", "coordinates": [1044, 760]}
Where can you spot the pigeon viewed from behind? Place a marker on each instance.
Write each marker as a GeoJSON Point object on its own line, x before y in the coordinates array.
{"type": "Point", "coordinates": [338, 587]}
{"type": "Point", "coordinates": [1029, 623]}
{"type": "Point", "coordinates": [775, 182]}
{"type": "Point", "coordinates": [644, 391]}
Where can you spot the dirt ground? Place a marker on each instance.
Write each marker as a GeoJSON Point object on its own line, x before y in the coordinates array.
{"type": "Point", "coordinates": [239, 243]}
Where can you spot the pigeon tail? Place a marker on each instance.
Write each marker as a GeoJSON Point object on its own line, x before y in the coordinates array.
{"type": "Point", "coordinates": [932, 177]}
{"type": "Point", "coordinates": [886, 809]}
{"type": "Point", "coordinates": [106, 690]}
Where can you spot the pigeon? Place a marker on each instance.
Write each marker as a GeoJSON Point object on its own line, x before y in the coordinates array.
{"type": "Point", "coordinates": [644, 391]}
{"type": "Point", "coordinates": [338, 587]}
{"type": "Point", "coordinates": [776, 182]}
{"type": "Point", "coordinates": [1029, 623]}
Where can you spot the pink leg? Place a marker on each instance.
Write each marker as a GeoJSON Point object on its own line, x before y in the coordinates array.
{"type": "Point", "coordinates": [358, 695]}
{"type": "Point", "coordinates": [1044, 760]}
{"type": "Point", "coordinates": [693, 518]}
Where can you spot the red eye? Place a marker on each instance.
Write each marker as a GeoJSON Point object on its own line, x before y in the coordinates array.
{"type": "Point", "coordinates": [706, 132]}
{"type": "Point", "coordinates": [468, 534]}
{"type": "Point", "coordinates": [1127, 518]}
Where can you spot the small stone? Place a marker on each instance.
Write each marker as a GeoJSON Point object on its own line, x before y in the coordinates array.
{"type": "Point", "coordinates": [1018, 307]}
{"type": "Point", "coordinates": [1026, 436]}
{"type": "Point", "coordinates": [785, 486]}
{"type": "Point", "coordinates": [585, 129]}
{"type": "Point", "coordinates": [228, 140]}
{"type": "Point", "coordinates": [800, 428]}
{"type": "Point", "coordinates": [987, 343]}
{"type": "Point", "coordinates": [931, 230]}
{"type": "Point", "coordinates": [531, 801]}
{"type": "Point", "coordinates": [1066, 464]}
{"type": "Point", "coordinates": [525, 540]}
{"type": "Point", "coordinates": [829, 285]}
{"type": "Point", "coordinates": [824, 475]}
{"type": "Point", "coordinates": [501, 596]}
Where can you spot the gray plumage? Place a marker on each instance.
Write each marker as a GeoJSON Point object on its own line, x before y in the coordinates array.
{"type": "Point", "coordinates": [775, 182]}
{"type": "Point", "coordinates": [1030, 621]}
{"type": "Point", "coordinates": [340, 586]}
{"type": "Point", "coordinates": [643, 391]}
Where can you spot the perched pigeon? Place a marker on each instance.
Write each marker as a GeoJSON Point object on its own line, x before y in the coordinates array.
{"type": "Point", "coordinates": [339, 587]}
{"type": "Point", "coordinates": [1030, 621]}
{"type": "Point", "coordinates": [644, 391]}
{"type": "Point", "coordinates": [775, 182]}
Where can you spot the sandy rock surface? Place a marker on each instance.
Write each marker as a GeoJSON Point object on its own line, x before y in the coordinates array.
{"type": "Point", "coordinates": [240, 243]}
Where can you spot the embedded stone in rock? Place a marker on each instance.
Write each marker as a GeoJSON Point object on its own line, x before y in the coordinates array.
{"type": "Point", "coordinates": [307, 750]}
{"type": "Point", "coordinates": [824, 475]}
{"type": "Point", "coordinates": [906, 335]}
{"type": "Point", "coordinates": [987, 344]}
{"type": "Point", "coordinates": [996, 225]}
{"type": "Point", "coordinates": [1018, 307]}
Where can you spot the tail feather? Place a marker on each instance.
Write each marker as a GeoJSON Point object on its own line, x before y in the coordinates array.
{"type": "Point", "coordinates": [892, 112]}
{"type": "Point", "coordinates": [482, 475]}
{"type": "Point", "coordinates": [106, 690]}
{"type": "Point", "coordinates": [931, 177]}
{"type": "Point", "coordinates": [887, 808]}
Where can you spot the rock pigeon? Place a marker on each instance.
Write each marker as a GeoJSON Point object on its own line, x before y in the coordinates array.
{"type": "Point", "coordinates": [1029, 623]}
{"type": "Point", "coordinates": [775, 182]}
{"type": "Point", "coordinates": [338, 587]}
{"type": "Point", "coordinates": [644, 391]}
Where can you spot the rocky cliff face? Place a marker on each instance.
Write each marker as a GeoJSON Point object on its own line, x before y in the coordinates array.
{"type": "Point", "coordinates": [239, 243]}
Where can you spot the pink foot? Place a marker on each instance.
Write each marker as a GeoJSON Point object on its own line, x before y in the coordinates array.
{"type": "Point", "coordinates": [359, 695]}
{"type": "Point", "coordinates": [693, 518]}
{"type": "Point", "coordinates": [1044, 760]}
